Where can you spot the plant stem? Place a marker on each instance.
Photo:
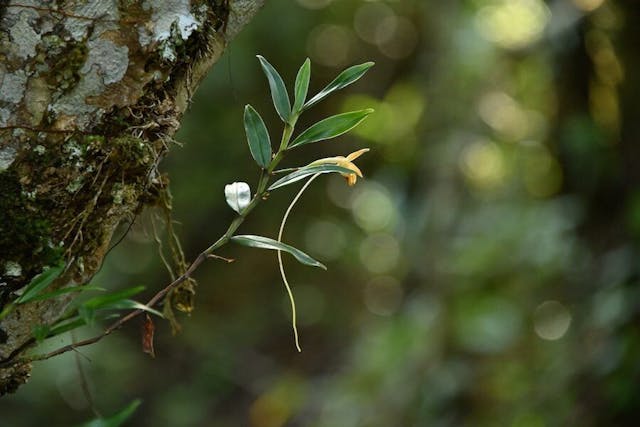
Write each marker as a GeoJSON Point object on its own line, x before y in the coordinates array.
{"type": "Point", "coordinates": [261, 194]}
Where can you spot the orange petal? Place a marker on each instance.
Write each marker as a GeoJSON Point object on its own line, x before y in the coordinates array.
{"type": "Point", "coordinates": [357, 154]}
{"type": "Point", "coordinates": [355, 169]}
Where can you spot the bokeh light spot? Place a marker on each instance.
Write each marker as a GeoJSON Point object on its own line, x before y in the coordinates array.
{"type": "Point", "coordinates": [551, 320]}
{"type": "Point", "coordinates": [383, 295]}
{"type": "Point", "coordinates": [330, 45]}
{"type": "Point", "coordinates": [483, 165]}
{"type": "Point", "coordinates": [513, 24]}
{"type": "Point", "coordinates": [368, 17]}
{"type": "Point", "coordinates": [396, 37]}
{"type": "Point", "coordinates": [373, 208]}
{"type": "Point", "coordinates": [588, 5]}
{"type": "Point", "coordinates": [380, 253]}
{"type": "Point", "coordinates": [504, 115]}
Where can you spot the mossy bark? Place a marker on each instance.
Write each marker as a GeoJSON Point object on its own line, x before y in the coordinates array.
{"type": "Point", "coordinates": [91, 93]}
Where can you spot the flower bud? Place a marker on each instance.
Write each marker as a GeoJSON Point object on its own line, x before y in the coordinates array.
{"type": "Point", "coordinates": [238, 195]}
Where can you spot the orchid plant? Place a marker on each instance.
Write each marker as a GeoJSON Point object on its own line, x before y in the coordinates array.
{"type": "Point", "coordinates": [238, 194]}
{"type": "Point", "coordinates": [239, 197]}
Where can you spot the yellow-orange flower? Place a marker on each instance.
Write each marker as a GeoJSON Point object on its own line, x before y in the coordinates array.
{"type": "Point", "coordinates": [345, 162]}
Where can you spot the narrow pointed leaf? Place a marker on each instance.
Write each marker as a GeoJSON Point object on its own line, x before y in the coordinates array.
{"type": "Point", "coordinates": [278, 90]}
{"type": "Point", "coordinates": [66, 326]}
{"type": "Point", "coordinates": [267, 243]}
{"type": "Point", "coordinates": [40, 332]}
{"type": "Point", "coordinates": [302, 86]}
{"type": "Point", "coordinates": [331, 127]}
{"type": "Point", "coordinates": [116, 420]}
{"type": "Point", "coordinates": [39, 283]}
{"type": "Point", "coordinates": [103, 301]}
{"type": "Point", "coordinates": [87, 314]}
{"type": "Point", "coordinates": [257, 136]}
{"type": "Point", "coordinates": [129, 304]}
{"type": "Point", "coordinates": [344, 79]}
{"type": "Point", "coordinates": [302, 173]}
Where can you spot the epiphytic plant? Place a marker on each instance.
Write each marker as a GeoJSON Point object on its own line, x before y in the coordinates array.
{"type": "Point", "coordinates": [239, 197]}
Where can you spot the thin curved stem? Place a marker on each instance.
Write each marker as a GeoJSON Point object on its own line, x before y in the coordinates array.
{"type": "Point", "coordinates": [284, 276]}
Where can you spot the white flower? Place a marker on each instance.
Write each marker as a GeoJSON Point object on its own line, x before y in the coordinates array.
{"type": "Point", "coordinates": [238, 195]}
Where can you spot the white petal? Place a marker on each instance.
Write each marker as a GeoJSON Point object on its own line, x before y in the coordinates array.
{"type": "Point", "coordinates": [238, 195]}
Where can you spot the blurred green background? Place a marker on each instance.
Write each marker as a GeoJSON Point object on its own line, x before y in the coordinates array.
{"type": "Point", "coordinates": [484, 273]}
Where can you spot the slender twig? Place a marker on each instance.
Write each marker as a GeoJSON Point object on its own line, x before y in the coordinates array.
{"type": "Point", "coordinates": [227, 260]}
{"type": "Point", "coordinates": [260, 195]}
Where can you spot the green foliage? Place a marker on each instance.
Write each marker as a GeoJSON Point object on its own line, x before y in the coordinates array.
{"type": "Point", "coordinates": [306, 172]}
{"type": "Point", "coordinates": [257, 136]}
{"type": "Point", "coordinates": [32, 292]}
{"type": "Point", "coordinates": [302, 86]}
{"type": "Point", "coordinates": [278, 90]}
{"type": "Point", "coordinates": [267, 243]}
{"type": "Point", "coordinates": [86, 313]}
{"type": "Point", "coordinates": [116, 420]}
{"type": "Point", "coordinates": [331, 127]}
{"type": "Point", "coordinates": [106, 301]}
{"type": "Point", "coordinates": [344, 79]}
{"type": "Point", "coordinates": [40, 283]}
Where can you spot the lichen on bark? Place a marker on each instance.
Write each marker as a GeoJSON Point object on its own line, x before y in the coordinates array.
{"type": "Point", "coordinates": [90, 96]}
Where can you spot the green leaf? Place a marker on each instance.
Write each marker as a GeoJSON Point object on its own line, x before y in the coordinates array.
{"type": "Point", "coordinates": [103, 301]}
{"type": "Point", "coordinates": [40, 332]}
{"type": "Point", "coordinates": [129, 304]}
{"type": "Point", "coordinates": [305, 172]}
{"type": "Point", "coordinates": [331, 127]}
{"type": "Point", "coordinates": [266, 243]}
{"type": "Point", "coordinates": [117, 419]}
{"type": "Point", "coordinates": [302, 86]}
{"type": "Point", "coordinates": [39, 283]}
{"type": "Point", "coordinates": [344, 79]}
{"type": "Point", "coordinates": [63, 291]}
{"type": "Point", "coordinates": [8, 308]}
{"type": "Point", "coordinates": [257, 136]}
{"type": "Point", "coordinates": [66, 326]}
{"type": "Point", "coordinates": [278, 90]}
{"type": "Point", "coordinates": [87, 314]}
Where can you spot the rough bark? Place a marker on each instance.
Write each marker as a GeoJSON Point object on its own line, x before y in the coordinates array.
{"type": "Point", "coordinates": [91, 92]}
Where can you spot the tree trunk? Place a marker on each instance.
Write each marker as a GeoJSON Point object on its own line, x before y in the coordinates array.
{"type": "Point", "coordinates": [91, 93]}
